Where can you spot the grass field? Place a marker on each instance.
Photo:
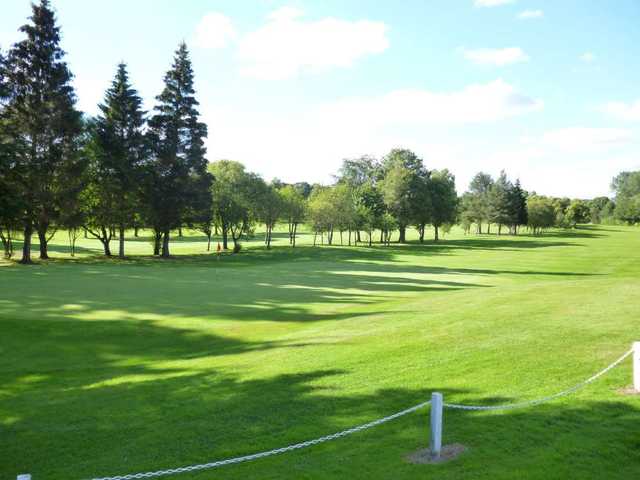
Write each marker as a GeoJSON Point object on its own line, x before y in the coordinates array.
{"type": "Point", "coordinates": [115, 367]}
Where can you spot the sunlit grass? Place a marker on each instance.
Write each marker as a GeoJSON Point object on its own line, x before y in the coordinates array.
{"type": "Point", "coordinates": [113, 366]}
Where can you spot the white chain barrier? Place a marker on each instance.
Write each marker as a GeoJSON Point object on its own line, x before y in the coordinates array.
{"type": "Point", "coordinates": [344, 433]}
{"type": "Point", "coordinates": [538, 401]}
{"type": "Point", "coordinates": [268, 453]}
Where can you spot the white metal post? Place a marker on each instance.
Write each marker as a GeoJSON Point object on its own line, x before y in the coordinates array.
{"type": "Point", "coordinates": [435, 441]}
{"type": "Point", "coordinates": [636, 366]}
{"type": "Point", "coordinates": [24, 476]}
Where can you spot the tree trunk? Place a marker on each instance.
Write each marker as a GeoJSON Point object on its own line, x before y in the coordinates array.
{"type": "Point", "coordinates": [121, 242]}
{"type": "Point", "coordinates": [225, 237]}
{"type": "Point", "coordinates": [106, 239]}
{"type": "Point", "coordinates": [358, 236]}
{"type": "Point", "coordinates": [269, 237]}
{"type": "Point", "coordinates": [295, 230]}
{"type": "Point", "coordinates": [315, 236]}
{"type": "Point", "coordinates": [421, 232]}
{"type": "Point", "coordinates": [165, 244]}
{"type": "Point", "coordinates": [435, 235]}
{"type": "Point", "coordinates": [26, 245]}
{"type": "Point", "coordinates": [42, 238]}
{"type": "Point", "coordinates": [381, 235]}
{"type": "Point", "coordinates": [488, 228]}
{"type": "Point", "coordinates": [180, 231]}
{"type": "Point", "coordinates": [135, 230]}
{"type": "Point", "coordinates": [403, 233]}
{"type": "Point", "coordinates": [208, 241]}
{"type": "Point", "coordinates": [157, 236]}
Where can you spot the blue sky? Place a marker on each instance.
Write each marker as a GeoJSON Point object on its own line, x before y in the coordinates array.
{"type": "Point", "coordinates": [547, 90]}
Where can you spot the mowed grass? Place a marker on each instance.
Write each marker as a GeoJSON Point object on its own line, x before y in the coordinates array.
{"type": "Point", "coordinates": [113, 367]}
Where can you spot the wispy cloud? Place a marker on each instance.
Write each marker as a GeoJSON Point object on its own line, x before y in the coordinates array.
{"type": "Point", "coordinates": [530, 14]}
{"type": "Point", "coordinates": [623, 111]}
{"type": "Point", "coordinates": [586, 139]}
{"type": "Point", "coordinates": [215, 30]}
{"type": "Point", "coordinates": [588, 57]}
{"type": "Point", "coordinates": [495, 56]}
{"type": "Point", "coordinates": [492, 3]}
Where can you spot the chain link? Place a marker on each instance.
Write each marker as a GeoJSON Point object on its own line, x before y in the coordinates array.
{"type": "Point", "coordinates": [276, 451]}
{"type": "Point", "coordinates": [344, 433]}
{"type": "Point", "coordinates": [538, 401]}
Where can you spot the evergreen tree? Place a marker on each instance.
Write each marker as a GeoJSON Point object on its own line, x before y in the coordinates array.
{"type": "Point", "coordinates": [117, 161]}
{"type": "Point", "coordinates": [518, 207]}
{"type": "Point", "coordinates": [8, 196]}
{"type": "Point", "coordinates": [499, 202]}
{"type": "Point", "coordinates": [179, 182]}
{"type": "Point", "coordinates": [44, 125]}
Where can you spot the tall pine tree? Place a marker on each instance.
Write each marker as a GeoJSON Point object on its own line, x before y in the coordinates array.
{"type": "Point", "coordinates": [44, 126]}
{"type": "Point", "coordinates": [117, 156]}
{"type": "Point", "coordinates": [179, 184]}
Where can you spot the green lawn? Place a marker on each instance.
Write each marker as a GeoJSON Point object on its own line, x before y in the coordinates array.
{"type": "Point", "coordinates": [115, 367]}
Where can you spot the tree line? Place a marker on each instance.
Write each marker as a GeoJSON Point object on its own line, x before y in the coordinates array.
{"type": "Point", "coordinates": [130, 169]}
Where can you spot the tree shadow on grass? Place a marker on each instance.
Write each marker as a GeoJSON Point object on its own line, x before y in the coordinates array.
{"type": "Point", "coordinates": [70, 425]}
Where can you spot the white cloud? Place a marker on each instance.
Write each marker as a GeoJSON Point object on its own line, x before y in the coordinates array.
{"type": "Point", "coordinates": [287, 45]}
{"type": "Point", "coordinates": [492, 3]}
{"type": "Point", "coordinates": [495, 56]}
{"type": "Point", "coordinates": [587, 57]}
{"type": "Point", "coordinates": [474, 104]}
{"type": "Point", "coordinates": [215, 30]}
{"type": "Point", "coordinates": [530, 14]}
{"type": "Point", "coordinates": [585, 139]}
{"type": "Point", "coordinates": [629, 112]}
{"type": "Point", "coordinates": [310, 145]}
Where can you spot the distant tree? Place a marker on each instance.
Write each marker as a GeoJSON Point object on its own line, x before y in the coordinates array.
{"type": "Point", "coordinates": [626, 186]}
{"type": "Point", "coordinates": [499, 202]}
{"type": "Point", "coordinates": [269, 206]}
{"type": "Point", "coordinates": [444, 199]}
{"type": "Point", "coordinates": [356, 172]}
{"type": "Point", "coordinates": [480, 188]}
{"type": "Point", "coordinates": [321, 214]}
{"type": "Point", "coordinates": [369, 209]}
{"type": "Point", "coordinates": [303, 188]}
{"type": "Point", "coordinates": [178, 169]}
{"type": "Point", "coordinates": [577, 212]}
{"type": "Point", "coordinates": [541, 212]}
{"type": "Point", "coordinates": [293, 210]}
{"type": "Point", "coordinates": [119, 153]}
{"type": "Point", "coordinates": [600, 209]}
{"type": "Point", "coordinates": [344, 210]}
{"type": "Point", "coordinates": [388, 224]}
{"type": "Point", "coordinates": [467, 214]}
{"type": "Point", "coordinates": [402, 180]}
{"type": "Point", "coordinates": [44, 124]}
{"type": "Point", "coordinates": [231, 199]}
{"type": "Point", "coordinates": [422, 203]}
{"type": "Point", "coordinates": [517, 207]}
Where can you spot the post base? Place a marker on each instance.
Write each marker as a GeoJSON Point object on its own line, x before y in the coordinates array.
{"type": "Point", "coordinates": [448, 453]}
